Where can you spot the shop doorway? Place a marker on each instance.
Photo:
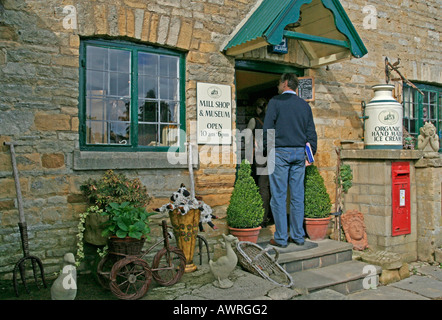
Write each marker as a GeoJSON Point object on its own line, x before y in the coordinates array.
{"type": "Point", "coordinates": [254, 80]}
{"type": "Point", "coordinates": [250, 86]}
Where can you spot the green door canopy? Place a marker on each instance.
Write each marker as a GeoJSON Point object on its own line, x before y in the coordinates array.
{"type": "Point", "coordinates": [321, 26]}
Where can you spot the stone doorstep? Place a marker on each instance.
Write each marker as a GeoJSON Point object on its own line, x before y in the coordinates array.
{"type": "Point", "coordinates": [329, 265]}
{"type": "Point", "coordinates": [325, 247]}
{"type": "Point", "coordinates": [345, 277]}
{"type": "Point", "coordinates": [328, 252]}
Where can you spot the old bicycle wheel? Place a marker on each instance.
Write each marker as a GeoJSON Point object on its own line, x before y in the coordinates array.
{"type": "Point", "coordinates": [103, 270]}
{"type": "Point", "coordinates": [130, 278]}
{"type": "Point", "coordinates": [168, 266]}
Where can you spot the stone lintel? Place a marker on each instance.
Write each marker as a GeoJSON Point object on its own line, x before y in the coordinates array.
{"type": "Point", "coordinates": [379, 154]}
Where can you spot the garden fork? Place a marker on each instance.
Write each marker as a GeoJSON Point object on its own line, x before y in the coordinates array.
{"type": "Point", "coordinates": [20, 265]}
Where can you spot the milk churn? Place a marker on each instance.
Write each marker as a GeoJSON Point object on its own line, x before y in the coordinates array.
{"type": "Point", "coordinates": [383, 127]}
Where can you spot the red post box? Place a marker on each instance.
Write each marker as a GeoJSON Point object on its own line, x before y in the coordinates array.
{"type": "Point", "coordinates": [400, 222]}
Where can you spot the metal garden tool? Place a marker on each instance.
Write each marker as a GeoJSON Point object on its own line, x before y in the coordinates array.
{"type": "Point", "coordinates": [20, 265]}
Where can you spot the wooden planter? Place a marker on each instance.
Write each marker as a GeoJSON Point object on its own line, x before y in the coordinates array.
{"type": "Point", "coordinates": [185, 229]}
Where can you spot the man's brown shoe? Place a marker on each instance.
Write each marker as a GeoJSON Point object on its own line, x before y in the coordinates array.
{"type": "Point", "coordinates": [276, 244]}
{"type": "Point", "coordinates": [298, 243]}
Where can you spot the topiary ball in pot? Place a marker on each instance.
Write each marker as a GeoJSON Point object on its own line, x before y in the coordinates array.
{"type": "Point", "coordinates": [246, 209]}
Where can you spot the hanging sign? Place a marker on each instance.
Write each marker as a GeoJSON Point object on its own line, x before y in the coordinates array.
{"type": "Point", "coordinates": [214, 113]}
{"type": "Point", "coordinates": [306, 88]}
{"type": "Point", "coordinates": [281, 48]}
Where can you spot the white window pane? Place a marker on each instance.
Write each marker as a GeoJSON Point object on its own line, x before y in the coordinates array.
{"type": "Point", "coordinates": [119, 60]}
{"type": "Point", "coordinates": [169, 66]}
{"type": "Point", "coordinates": [148, 135]}
{"type": "Point", "coordinates": [119, 84]}
{"type": "Point", "coordinates": [96, 58]}
{"type": "Point", "coordinates": [147, 64]}
{"type": "Point", "coordinates": [147, 111]}
{"type": "Point", "coordinates": [119, 132]}
{"type": "Point", "coordinates": [168, 89]}
{"type": "Point", "coordinates": [169, 111]}
{"type": "Point", "coordinates": [147, 87]}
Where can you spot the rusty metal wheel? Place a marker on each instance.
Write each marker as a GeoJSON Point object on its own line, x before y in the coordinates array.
{"type": "Point", "coordinates": [168, 266]}
{"type": "Point", "coordinates": [130, 278]}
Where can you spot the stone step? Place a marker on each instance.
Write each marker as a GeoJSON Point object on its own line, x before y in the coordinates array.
{"type": "Point", "coordinates": [313, 254]}
{"type": "Point", "coordinates": [345, 277]}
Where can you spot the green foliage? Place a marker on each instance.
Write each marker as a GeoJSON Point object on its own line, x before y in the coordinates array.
{"type": "Point", "coordinates": [126, 220]}
{"type": "Point", "coordinates": [345, 177]}
{"type": "Point", "coordinates": [246, 208]}
{"type": "Point", "coordinates": [317, 203]}
{"type": "Point", "coordinates": [116, 188]}
{"type": "Point", "coordinates": [80, 234]}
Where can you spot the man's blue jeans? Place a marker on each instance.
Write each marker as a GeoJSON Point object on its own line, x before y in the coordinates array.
{"type": "Point", "coordinates": [289, 171]}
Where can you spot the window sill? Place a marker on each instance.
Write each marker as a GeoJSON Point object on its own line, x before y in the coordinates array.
{"type": "Point", "coordinates": [96, 160]}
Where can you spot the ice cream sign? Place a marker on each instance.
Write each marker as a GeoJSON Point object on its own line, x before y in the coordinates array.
{"type": "Point", "coordinates": [383, 127]}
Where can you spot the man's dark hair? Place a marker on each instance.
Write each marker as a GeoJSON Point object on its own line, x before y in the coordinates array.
{"type": "Point", "coordinates": [292, 80]}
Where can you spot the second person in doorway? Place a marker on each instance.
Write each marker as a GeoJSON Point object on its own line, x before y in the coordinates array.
{"type": "Point", "coordinates": [259, 169]}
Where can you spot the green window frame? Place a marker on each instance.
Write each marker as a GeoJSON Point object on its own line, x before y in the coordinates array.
{"type": "Point", "coordinates": [419, 108]}
{"type": "Point", "coordinates": [132, 97]}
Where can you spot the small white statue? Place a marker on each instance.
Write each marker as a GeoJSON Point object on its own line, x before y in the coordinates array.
{"type": "Point", "coordinates": [222, 268]}
{"type": "Point", "coordinates": [65, 286]}
{"type": "Point", "coordinates": [428, 139]}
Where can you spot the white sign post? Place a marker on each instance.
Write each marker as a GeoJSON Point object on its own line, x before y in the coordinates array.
{"type": "Point", "coordinates": [214, 113]}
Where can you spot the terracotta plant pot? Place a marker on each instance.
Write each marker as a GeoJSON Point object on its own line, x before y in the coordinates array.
{"type": "Point", "coordinates": [185, 229]}
{"type": "Point", "coordinates": [316, 228]}
{"type": "Point", "coordinates": [250, 234]}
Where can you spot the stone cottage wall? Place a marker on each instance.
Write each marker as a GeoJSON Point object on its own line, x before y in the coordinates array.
{"type": "Point", "coordinates": [429, 200]}
{"type": "Point", "coordinates": [39, 81]}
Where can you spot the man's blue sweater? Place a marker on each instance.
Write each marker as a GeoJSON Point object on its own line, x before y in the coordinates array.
{"type": "Point", "coordinates": [292, 119]}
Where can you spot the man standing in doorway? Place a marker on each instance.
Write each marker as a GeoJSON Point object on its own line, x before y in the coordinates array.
{"type": "Point", "coordinates": [291, 119]}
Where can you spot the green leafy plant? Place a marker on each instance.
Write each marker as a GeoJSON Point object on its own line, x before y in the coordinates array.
{"type": "Point", "coordinates": [115, 188]}
{"type": "Point", "coordinates": [126, 220]}
{"type": "Point", "coordinates": [317, 203]}
{"type": "Point", "coordinates": [345, 177]}
{"type": "Point", "coordinates": [245, 209]}
{"type": "Point", "coordinates": [106, 197]}
{"type": "Point", "coordinates": [80, 233]}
